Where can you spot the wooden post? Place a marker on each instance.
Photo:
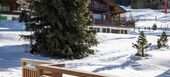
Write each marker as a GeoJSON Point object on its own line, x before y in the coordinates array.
{"type": "Point", "coordinates": [23, 70]}
{"type": "Point", "coordinates": [39, 72]}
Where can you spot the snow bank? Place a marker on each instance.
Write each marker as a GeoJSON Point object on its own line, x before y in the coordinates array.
{"type": "Point", "coordinates": [11, 25]}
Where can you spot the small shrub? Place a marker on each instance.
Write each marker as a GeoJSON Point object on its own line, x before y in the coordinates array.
{"type": "Point", "coordinates": [162, 41]}
{"type": "Point", "coordinates": [154, 27]}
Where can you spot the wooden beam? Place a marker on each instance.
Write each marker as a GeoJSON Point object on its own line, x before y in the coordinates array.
{"type": "Point", "coordinates": [73, 72]}
{"type": "Point", "coordinates": [36, 62]}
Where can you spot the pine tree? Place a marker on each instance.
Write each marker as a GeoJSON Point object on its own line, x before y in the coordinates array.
{"type": "Point", "coordinates": [162, 42]}
{"type": "Point", "coordinates": [154, 27]}
{"type": "Point", "coordinates": [159, 43]}
{"type": "Point", "coordinates": [141, 45]}
{"type": "Point", "coordinates": [60, 28]}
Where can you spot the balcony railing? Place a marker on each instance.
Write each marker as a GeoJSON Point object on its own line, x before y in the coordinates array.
{"type": "Point", "coordinates": [98, 6]}
{"type": "Point", "coordinates": [115, 23]}
{"type": "Point", "coordinates": [10, 12]}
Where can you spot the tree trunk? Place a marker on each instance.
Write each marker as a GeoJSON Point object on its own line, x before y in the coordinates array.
{"type": "Point", "coordinates": [143, 55]}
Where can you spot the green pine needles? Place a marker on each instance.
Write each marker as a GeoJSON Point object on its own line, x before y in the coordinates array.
{"type": "Point", "coordinates": [162, 41]}
{"type": "Point", "coordinates": [154, 27]}
{"type": "Point", "coordinates": [60, 28]}
{"type": "Point", "coordinates": [141, 45]}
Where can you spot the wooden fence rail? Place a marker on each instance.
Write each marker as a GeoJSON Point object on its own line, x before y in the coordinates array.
{"type": "Point", "coordinates": [59, 72]}
{"type": "Point", "coordinates": [29, 67]}
{"type": "Point", "coordinates": [47, 69]}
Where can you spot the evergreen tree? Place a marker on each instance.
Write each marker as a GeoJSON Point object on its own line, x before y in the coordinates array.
{"type": "Point", "coordinates": [60, 28]}
{"type": "Point", "coordinates": [162, 42]}
{"type": "Point", "coordinates": [154, 27]}
{"type": "Point", "coordinates": [159, 43]}
{"type": "Point", "coordinates": [141, 45]}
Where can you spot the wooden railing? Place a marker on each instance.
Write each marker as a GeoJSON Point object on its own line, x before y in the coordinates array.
{"type": "Point", "coordinates": [29, 67]}
{"type": "Point", "coordinates": [46, 69]}
{"type": "Point", "coordinates": [59, 72]}
{"type": "Point", "coordinates": [9, 12]}
{"type": "Point", "coordinates": [114, 23]}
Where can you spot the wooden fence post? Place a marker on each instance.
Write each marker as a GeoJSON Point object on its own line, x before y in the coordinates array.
{"type": "Point", "coordinates": [23, 70]}
{"type": "Point", "coordinates": [39, 72]}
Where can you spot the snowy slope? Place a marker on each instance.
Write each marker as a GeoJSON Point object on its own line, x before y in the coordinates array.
{"type": "Point", "coordinates": [152, 16]}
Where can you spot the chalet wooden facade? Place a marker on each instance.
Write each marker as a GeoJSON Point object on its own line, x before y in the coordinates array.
{"type": "Point", "coordinates": [9, 10]}
{"type": "Point", "coordinates": [104, 11]}
{"type": "Point", "coordinates": [106, 15]}
{"type": "Point", "coordinates": [8, 7]}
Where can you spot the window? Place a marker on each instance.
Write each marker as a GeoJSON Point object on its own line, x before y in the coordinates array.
{"type": "Point", "coordinates": [113, 31]}
{"type": "Point", "coordinates": [4, 8]}
{"type": "Point", "coordinates": [97, 16]}
{"type": "Point", "coordinates": [97, 29]}
{"type": "Point", "coordinates": [108, 30]}
{"type": "Point", "coordinates": [104, 17]}
{"type": "Point", "coordinates": [104, 30]}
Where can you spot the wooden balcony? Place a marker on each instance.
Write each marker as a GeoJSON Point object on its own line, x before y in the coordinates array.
{"type": "Point", "coordinates": [98, 7]}
{"type": "Point", "coordinates": [115, 23]}
{"type": "Point", "coordinates": [37, 68]}
{"type": "Point", "coordinates": [10, 12]}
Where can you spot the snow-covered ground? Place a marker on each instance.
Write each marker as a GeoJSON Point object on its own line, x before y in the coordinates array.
{"type": "Point", "coordinates": [114, 56]}
{"type": "Point", "coordinates": [148, 17]}
{"type": "Point", "coordinates": [114, 53]}
{"type": "Point", "coordinates": [11, 25]}
{"type": "Point", "coordinates": [12, 48]}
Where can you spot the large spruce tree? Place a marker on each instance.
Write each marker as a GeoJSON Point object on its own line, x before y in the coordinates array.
{"type": "Point", "coordinates": [60, 28]}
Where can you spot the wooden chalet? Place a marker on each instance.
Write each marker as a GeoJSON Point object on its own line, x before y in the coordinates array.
{"type": "Point", "coordinates": [8, 7]}
{"type": "Point", "coordinates": [9, 10]}
{"type": "Point", "coordinates": [106, 15]}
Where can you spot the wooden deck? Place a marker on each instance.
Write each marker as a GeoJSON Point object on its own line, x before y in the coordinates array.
{"type": "Point", "coordinates": [37, 68]}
